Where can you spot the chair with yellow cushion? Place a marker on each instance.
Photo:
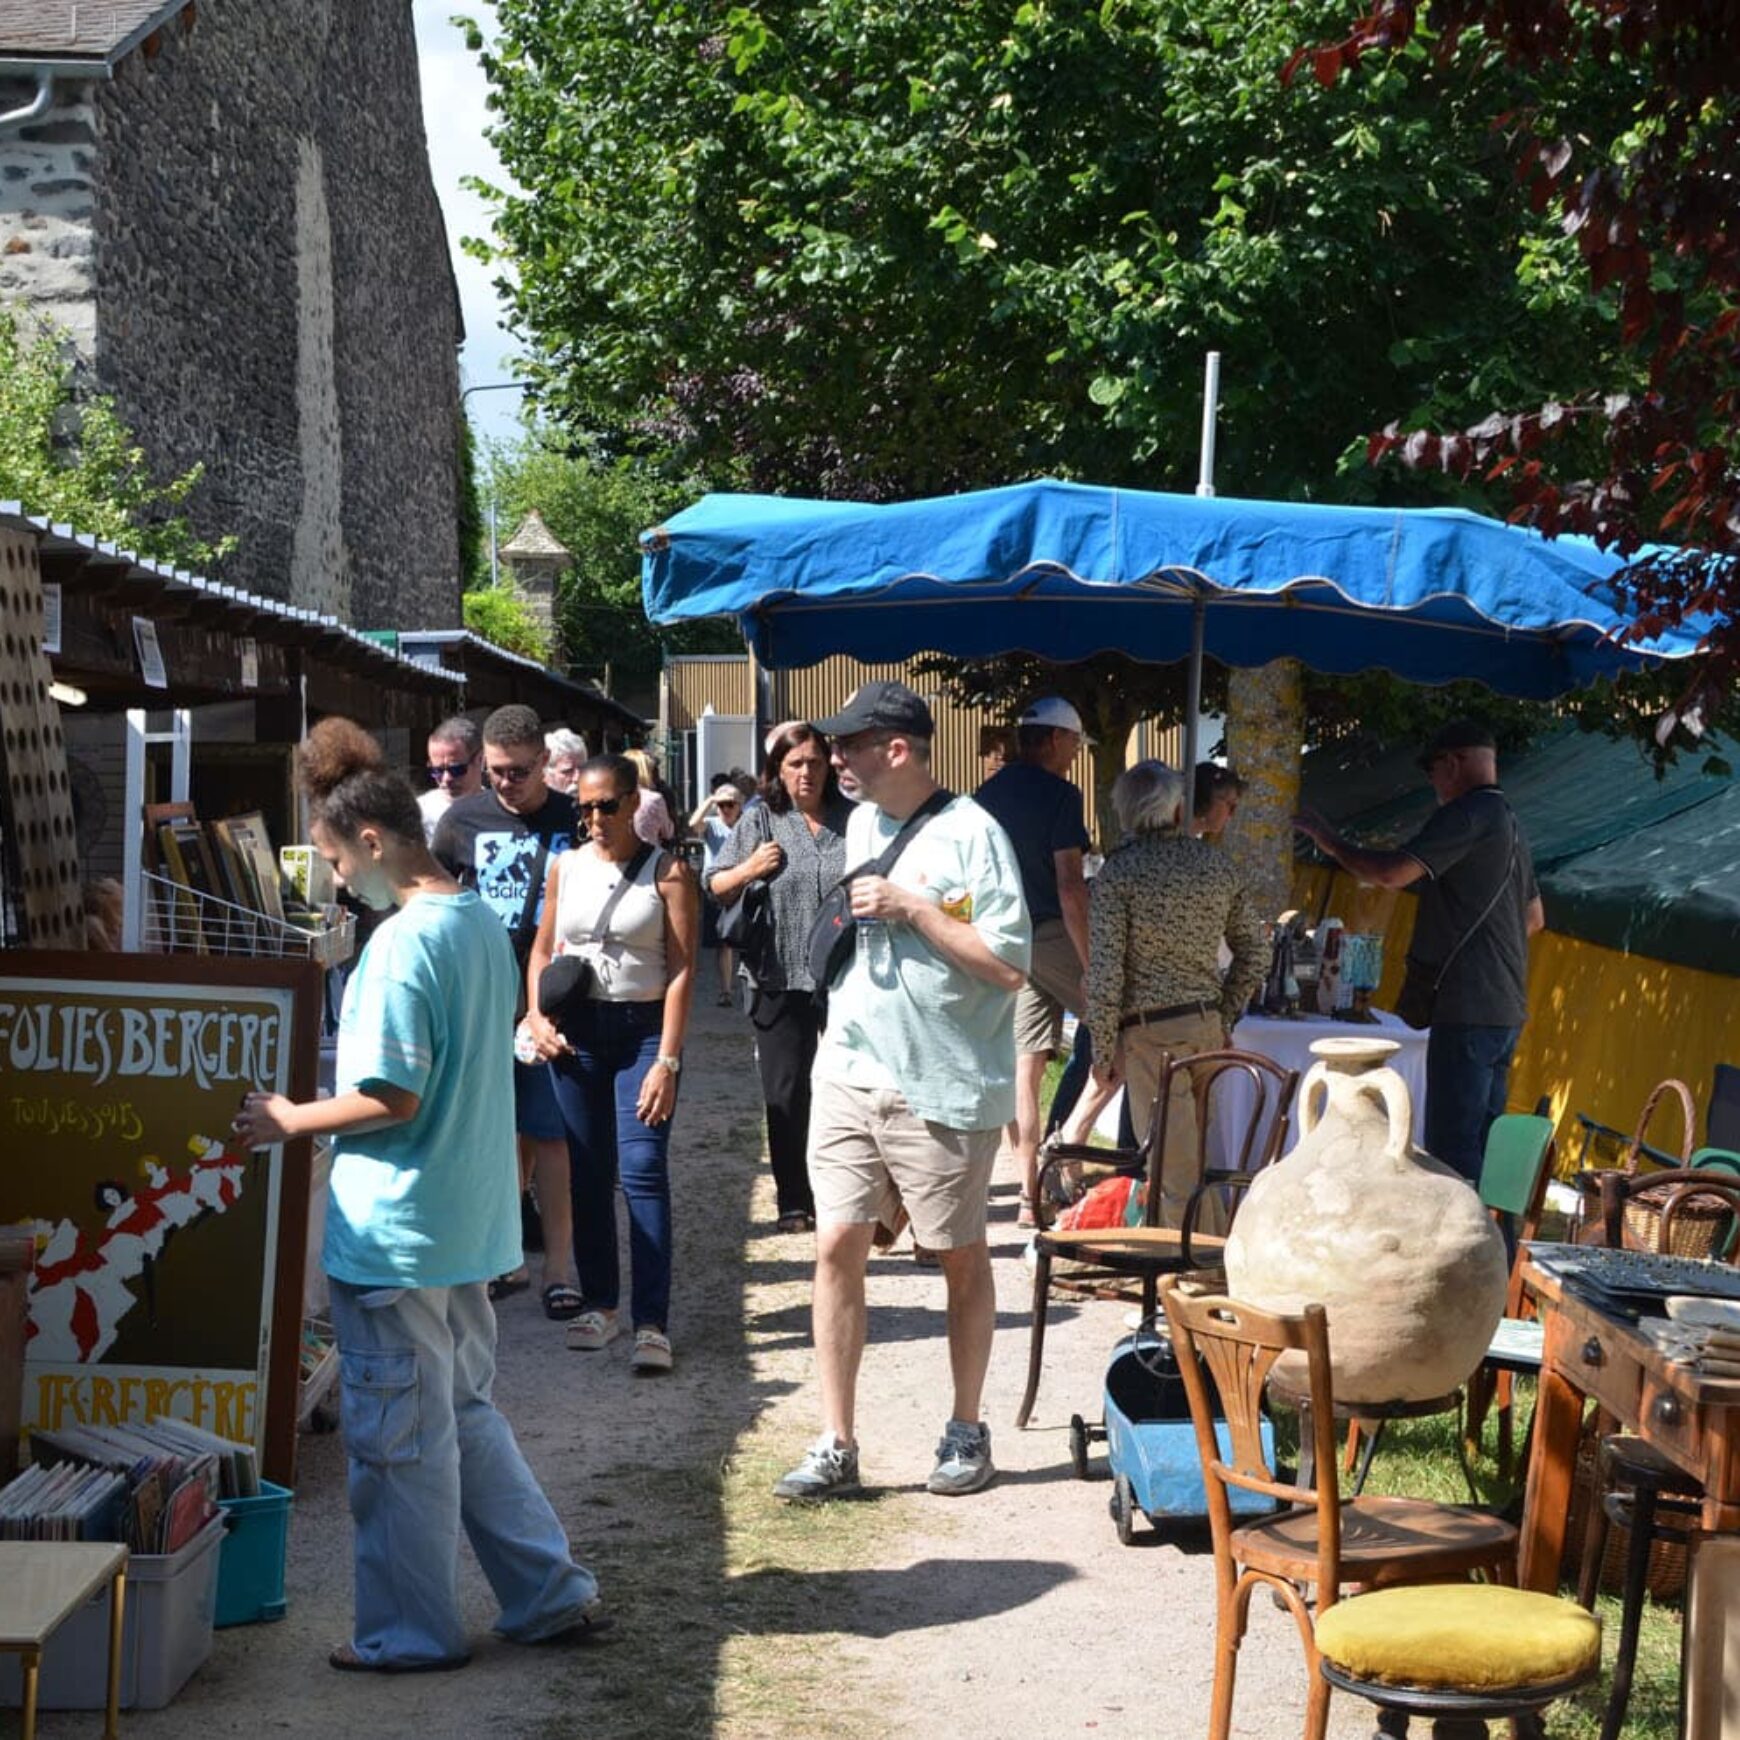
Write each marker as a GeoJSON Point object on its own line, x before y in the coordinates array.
{"type": "Point", "coordinates": [1318, 1543]}
{"type": "Point", "coordinates": [1459, 1655]}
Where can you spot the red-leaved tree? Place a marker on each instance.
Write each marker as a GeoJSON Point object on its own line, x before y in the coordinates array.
{"type": "Point", "coordinates": [1655, 210]}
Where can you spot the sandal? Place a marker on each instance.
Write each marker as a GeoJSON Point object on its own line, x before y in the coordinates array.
{"type": "Point", "coordinates": [1024, 1216]}
{"type": "Point", "coordinates": [562, 1302]}
{"type": "Point", "coordinates": [795, 1221]}
{"type": "Point", "coordinates": [592, 1330]}
{"type": "Point", "coordinates": [652, 1351]}
{"type": "Point", "coordinates": [503, 1285]}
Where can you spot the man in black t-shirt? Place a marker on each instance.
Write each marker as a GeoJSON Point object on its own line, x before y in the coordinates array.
{"type": "Point", "coordinates": [500, 841]}
{"type": "Point", "coordinates": [1041, 812]}
{"type": "Point", "coordinates": [1478, 909]}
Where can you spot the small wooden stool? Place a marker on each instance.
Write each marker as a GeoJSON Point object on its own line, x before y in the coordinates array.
{"type": "Point", "coordinates": [42, 1584]}
{"type": "Point", "coordinates": [1459, 1655]}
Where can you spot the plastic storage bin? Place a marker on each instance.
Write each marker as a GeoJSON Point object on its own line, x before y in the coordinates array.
{"type": "Point", "coordinates": [250, 1585]}
{"type": "Point", "coordinates": [165, 1635]}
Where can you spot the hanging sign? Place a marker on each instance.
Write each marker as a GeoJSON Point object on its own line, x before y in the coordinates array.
{"type": "Point", "coordinates": [150, 653]}
{"type": "Point", "coordinates": [50, 616]}
{"type": "Point", "coordinates": [168, 1273]}
{"type": "Point", "coordinates": [250, 663]}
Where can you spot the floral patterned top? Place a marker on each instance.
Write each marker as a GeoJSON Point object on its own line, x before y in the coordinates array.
{"type": "Point", "coordinates": [1160, 907]}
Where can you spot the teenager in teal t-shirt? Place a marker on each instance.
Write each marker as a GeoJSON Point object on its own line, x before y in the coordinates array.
{"type": "Point", "coordinates": [423, 1210]}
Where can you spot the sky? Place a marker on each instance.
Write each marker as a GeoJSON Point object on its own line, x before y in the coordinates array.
{"type": "Point", "coordinates": [454, 118]}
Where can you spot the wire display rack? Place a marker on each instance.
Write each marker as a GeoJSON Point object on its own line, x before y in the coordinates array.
{"type": "Point", "coordinates": [179, 920]}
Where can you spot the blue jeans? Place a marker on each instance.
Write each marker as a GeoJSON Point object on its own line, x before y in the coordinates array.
{"type": "Point", "coordinates": [428, 1452]}
{"type": "Point", "coordinates": [1467, 1079]}
{"type": "Point", "coordinates": [598, 1088]}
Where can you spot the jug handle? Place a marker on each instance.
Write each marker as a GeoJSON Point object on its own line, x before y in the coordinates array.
{"type": "Point", "coordinates": [1398, 1104]}
{"type": "Point", "coordinates": [1310, 1107]}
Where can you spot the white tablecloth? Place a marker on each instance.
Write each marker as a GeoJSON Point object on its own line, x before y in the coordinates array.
{"type": "Point", "coordinates": [1289, 1044]}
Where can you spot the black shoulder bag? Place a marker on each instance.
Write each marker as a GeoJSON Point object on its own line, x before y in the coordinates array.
{"type": "Point", "coordinates": [746, 925]}
{"type": "Point", "coordinates": [1421, 979]}
{"type": "Point", "coordinates": [833, 935]}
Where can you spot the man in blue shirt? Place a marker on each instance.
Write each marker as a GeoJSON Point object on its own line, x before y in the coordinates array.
{"type": "Point", "coordinates": [1041, 812]}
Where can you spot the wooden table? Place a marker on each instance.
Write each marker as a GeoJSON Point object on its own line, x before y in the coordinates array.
{"type": "Point", "coordinates": [43, 1583]}
{"type": "Point", "coordinates": [1591, 1354]}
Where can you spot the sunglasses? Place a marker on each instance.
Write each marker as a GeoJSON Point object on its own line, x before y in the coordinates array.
{"type": "Point", "coordinates": [440, 770]}
{"type": "Point", "coordinates": [604, 807]}
{"type": "Point", "coordinates": [510, 775]}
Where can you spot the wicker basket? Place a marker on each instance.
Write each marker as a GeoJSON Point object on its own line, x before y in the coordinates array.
{"type": "Point", "coordinates": [1698, 1226]}
{"type": "Point", "coordinates": [1666, 1579]}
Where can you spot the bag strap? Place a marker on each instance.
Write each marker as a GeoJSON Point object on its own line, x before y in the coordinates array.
{"type": "Point", "coordinates": [1491, 906]}
{"type": "Point", "coordinates": [630, 873]}
{"type": "Point", "coordinates": [886, 859]}
{"type": "Point", "coordinates": [528, 919]}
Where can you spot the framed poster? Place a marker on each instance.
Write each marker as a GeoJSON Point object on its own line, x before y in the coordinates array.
{"type": "Point", "coordinates": [168, 1274]}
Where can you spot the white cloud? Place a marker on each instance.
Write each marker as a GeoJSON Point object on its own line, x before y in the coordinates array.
{"type": "Point", "coordinates": [454, 117]}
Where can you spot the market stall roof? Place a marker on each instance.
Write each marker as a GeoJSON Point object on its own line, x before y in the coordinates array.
{"type": "Point", "coordinates": [124, 584]}
{"type": "Point", "coordinates": [1645, 865]}
{"type": "Point", "coordinates": [493, 677]}
{"type": "Point", "coordinates": [1068, 570]}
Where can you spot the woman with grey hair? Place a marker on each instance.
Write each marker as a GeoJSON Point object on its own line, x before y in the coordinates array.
{"type": "Point", "coordinates": [1161, 907]}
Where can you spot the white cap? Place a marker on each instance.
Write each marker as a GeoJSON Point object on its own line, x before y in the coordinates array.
{"type": "Point", "coordinates": [1054, 711]}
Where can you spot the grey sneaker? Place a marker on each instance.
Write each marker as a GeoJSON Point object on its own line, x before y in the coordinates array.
{"type": "Point", "coordinates": [829, 1470]}
{"type": "Point", "coordinates": [963, 1459]}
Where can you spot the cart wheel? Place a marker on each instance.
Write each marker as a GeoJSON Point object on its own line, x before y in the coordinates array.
{"type": "Point", "coordinates": [1124, 1509]}
{"type": "Point", "coordinates": [1078, 1446]}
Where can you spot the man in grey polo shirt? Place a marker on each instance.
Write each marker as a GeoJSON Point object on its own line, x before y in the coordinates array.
{"type": "Point", "coordinates": [915, 1074]}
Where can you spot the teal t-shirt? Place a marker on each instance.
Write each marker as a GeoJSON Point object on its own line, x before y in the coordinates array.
{"type": "Point", "coordinates": [430, 1009]}
{"type": "Point", "coordinates": [901, 1016]}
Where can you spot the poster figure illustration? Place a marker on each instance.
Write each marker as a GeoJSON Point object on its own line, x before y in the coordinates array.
{"type": "Point", "coordinates": [84, 1283]}
{"type": "Point", "coordinates": [157, 1244]}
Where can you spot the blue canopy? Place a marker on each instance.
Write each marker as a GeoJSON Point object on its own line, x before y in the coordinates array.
{"type": "Point", "coordinates": [1066, 570]}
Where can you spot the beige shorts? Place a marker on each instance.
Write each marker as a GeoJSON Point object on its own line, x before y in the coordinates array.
{"type": "Point", "coordinates": [869, 1154]}
{"type": "Point", "coordinates": [1053, 985]}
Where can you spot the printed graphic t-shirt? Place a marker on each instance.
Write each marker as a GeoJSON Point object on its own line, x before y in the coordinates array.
{"type": "Point", "coordinates": [433, 1202]}
{"type": "Point", "coordinates": [901, 1016]}
{"type": "Point", "coordinates": [485, 846]}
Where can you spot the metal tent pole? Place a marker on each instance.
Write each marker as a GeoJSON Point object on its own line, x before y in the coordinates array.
{"type": "Point", "coordinates": [1198, 604]}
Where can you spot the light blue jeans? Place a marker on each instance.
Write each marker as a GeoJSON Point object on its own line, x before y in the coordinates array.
{"type": "Point", "coordinates": [428, 1451]}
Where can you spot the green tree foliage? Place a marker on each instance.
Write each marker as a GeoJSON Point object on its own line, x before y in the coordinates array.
{"type": "Point", "coordinates": [597, 506]}
{"type": "Point", "coordinates": [847, 246]}
{"type": "Point", "coordinates": [502, 615]}
{"type": "Point", "coordinates": [70, 457]}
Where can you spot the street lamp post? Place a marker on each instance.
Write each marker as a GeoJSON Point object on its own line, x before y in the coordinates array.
{"type": "Point", "coordinates": [465, 393]}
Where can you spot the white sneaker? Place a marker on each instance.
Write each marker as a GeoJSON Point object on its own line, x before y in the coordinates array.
{"type": "Point", "coordinates": [829, 1470]}
{"type": "Point", "coordinates": [963, 1459]}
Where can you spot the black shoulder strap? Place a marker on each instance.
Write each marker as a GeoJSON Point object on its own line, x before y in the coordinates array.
{"type": "Point", "coordinates": [528, 920]}
{"type": "Point", "coordinates": [1497, 894]}
{"type": "Point", "coordinates": [880, 865]}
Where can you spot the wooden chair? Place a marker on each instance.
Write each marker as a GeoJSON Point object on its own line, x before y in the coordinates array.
{"type": "Point", "coordinates": [1226, 1351]}
{"type": "Point", "coordinates": [1148, 1251]}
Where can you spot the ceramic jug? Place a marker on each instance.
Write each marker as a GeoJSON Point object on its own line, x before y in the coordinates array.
{"type": "Point", "coordinates": [1394, 1245]}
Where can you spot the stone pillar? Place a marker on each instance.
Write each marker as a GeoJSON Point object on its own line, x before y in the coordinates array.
{"type": "Point", "coordinates": [535, 560]}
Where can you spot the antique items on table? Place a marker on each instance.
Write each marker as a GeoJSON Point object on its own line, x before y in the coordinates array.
{"type": "Point", "coordinates": [1394, 1245]}
{"type": "Point", "coordinates": [1321, 971]}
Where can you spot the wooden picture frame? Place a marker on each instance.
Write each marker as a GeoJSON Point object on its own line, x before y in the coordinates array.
{"type": "Point", "coordinates": [169, 1274]}
{"type": "Point", "coordinates": [248, 834]}
{"type": "Point", "coordinates": [180, 912]}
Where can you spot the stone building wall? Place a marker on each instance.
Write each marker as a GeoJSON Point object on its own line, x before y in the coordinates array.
{"type": "Point", "coordinates": [240, 232]}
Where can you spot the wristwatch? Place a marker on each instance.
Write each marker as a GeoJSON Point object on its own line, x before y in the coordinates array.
{"type": "Point", "coordinates": [673, 1064]}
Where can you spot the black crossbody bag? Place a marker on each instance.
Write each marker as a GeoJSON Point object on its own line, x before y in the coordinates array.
{"type": "Point", "coordinates": [834, 934]}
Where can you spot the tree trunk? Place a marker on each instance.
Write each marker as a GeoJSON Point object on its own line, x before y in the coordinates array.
{"type": "Point", "coordinates": [1265, 735]}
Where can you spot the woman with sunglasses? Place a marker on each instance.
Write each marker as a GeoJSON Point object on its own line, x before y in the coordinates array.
{"type": "Point", "coordinates": [795, 842]}
{"type": "Point", "coordinates": [630, 912]}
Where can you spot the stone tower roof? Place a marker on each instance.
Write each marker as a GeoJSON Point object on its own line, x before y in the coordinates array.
{"type": "Point", "coordinates": [534, 538]}
{"type": "Point", "coordinates": [104, 30]}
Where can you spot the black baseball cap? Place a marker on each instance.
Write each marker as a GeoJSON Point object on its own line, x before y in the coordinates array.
{"type": "Point", "coordinates": [1457, 734]}
{"type": "Point", "coordinates": [881, 706]}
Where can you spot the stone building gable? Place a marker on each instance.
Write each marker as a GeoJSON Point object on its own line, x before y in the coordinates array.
{"type": "Point", "coordinates": [64, 29]}
{"type": "Point", "coordinates": [238, 229]}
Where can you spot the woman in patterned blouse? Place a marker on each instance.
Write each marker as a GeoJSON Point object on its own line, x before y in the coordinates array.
{"type": "Point", "coordinates": [794, 840]}
{"type": "Point", "coordinates": [1161, 906]}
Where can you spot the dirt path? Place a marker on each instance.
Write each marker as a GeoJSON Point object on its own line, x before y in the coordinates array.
{"type": "Point", "coordinates": [1014, 1613]}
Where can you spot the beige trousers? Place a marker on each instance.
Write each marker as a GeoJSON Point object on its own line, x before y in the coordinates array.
{"type": "Point", "coordinates": [1143, 1052]}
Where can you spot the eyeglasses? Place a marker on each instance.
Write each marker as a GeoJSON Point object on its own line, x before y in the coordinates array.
{"type": "Point", "coordinates": [729, 804]}
{"type": "Point", "coordinates": [511, 775]}
{"type": "Point", "coordinates": [440, 770]}
{"type": "Point", "coordinates": [604, 807]}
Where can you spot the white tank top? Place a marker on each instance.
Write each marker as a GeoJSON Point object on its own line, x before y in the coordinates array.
{"type": "Point", "coordinates": [628, 959]}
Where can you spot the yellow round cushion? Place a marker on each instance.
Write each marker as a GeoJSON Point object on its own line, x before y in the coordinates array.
{"type": "Point", "coordinates": [1463, 1637]}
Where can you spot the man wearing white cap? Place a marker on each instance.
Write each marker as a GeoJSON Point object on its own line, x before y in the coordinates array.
{"type": "Point", "coordinates": [1041, 812]}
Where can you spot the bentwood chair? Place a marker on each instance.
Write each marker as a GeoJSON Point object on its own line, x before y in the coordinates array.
{"type": "Point", "coordinates": [1146, 1252]}
{"type": "Point", "coordinates": [1306, 1553]}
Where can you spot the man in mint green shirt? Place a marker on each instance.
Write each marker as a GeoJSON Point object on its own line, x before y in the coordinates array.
{"type": "Point", "coordinates": [915, 1074]}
